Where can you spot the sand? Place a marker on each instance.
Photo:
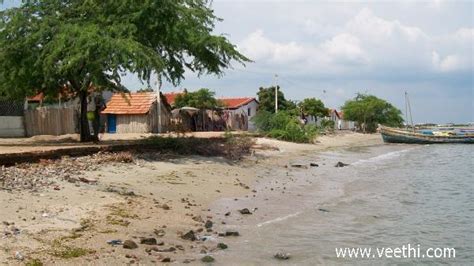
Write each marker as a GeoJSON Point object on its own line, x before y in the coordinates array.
{"type": "Point", "coordinates": [130, 201]}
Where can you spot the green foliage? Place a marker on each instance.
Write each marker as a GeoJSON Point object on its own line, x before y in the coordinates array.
{"type": "Point", "coordinates": [284, 126]}
{"type": "Point", "coordinates": [327, 125]}
{"type": "Point", "coordinates": [266, 98]}
{"type": "Point", "coordinates": [314, 107]}
{"type": "Point", "coordinates": [368, 111]}
{"type": "Point", "coordinates": [78, 45]}
{"type": "Point", "coordinates": [201, 99]}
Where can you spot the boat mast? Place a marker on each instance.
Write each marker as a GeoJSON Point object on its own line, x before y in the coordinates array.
{"type": "Point", "coordinates": [407, 104]}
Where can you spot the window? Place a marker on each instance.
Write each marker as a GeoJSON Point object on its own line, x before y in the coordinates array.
{"type": "Point", "coordinates": [249, 111]}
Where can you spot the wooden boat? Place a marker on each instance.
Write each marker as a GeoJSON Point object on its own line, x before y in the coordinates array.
{"type": "Point", "coordinates": [395, 135]}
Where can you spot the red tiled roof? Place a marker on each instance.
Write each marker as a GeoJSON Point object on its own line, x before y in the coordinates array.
{"type": "Point", "coordinates": [136, 103]}
{"type": "Point", "coordinates": [234, 103]}
{"type": "Point", "coordinates": [171, 97]}
{"type": "Point", "coordinates": [37, 98]}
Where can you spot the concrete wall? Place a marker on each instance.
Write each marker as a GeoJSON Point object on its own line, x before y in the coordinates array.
{"type": "Point", "coordinates": [244, 109]}
{"type": "Point", "coordinates": [11, 126]}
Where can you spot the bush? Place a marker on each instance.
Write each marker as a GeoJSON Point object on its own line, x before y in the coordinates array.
{"type": "Point", "coordinates": [284, 126]}
{"type": "Point", "coordinates": [327, 125]}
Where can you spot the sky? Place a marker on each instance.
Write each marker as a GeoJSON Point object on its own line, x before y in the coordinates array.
{"type": "Point", "coordinates": [334, 49]}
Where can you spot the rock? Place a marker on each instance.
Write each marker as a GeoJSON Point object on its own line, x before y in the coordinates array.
{"type": "Point", "coordinates": [207, 259]}
{"type": "Point", "coordinates": [165, 207]}
{"type": "Point", "coordinates": [189, 236]}
{"type": "Point", "coordinates": [298, 166]}
{"type": "Point", "coordinates": [341, 164]}
{"type": "Point", "coordinates": [232, 233]}
{"type": "Point", "coordinates": [180, 247]}
{"type": "Point", "coordinates": [166, 260]}
{"type": "Point", "coordinates": [245, 211]}
{"type": "Point", "coordinates": [148, 241]}
{"type": "Point", "coordinates": [227, 214]}
{"type": "Point", "coordinates": [19, 256]}
{"type": "Point", "coordinates": [314, 165]}
{"type": "Point", "coordinates": [282, 256]}
{"type": "Point", "coordinates": [208, 224]}
{"type": "Point", "coordinates": [159, 232]}
{"type": "Point", "coordinates": [222, 246]}
{"type": "Point", "coordinates": [130, 244]}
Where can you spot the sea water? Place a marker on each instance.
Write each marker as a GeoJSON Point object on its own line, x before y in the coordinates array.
{"type": "Point", "coordinates": [389, 197]}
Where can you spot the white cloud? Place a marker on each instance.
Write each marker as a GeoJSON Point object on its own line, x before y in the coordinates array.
{"type": "Point", "coordinates": [367, 41]}
{"type": "Point", "coordinates": [260, 48]}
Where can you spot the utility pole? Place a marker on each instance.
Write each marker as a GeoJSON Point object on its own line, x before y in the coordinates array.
{"type": "Point", "coordinates": [276, 92]}
{"type": "Point", "coordinates": [158, 100]}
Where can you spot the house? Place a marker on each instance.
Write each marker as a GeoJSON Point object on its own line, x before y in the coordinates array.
{"type": "Point", "coordinates": [339, 122]}
{"type": "Point", "coordinates": [136, 113]}
{"type": "Point", "coordinates": [238, 112]}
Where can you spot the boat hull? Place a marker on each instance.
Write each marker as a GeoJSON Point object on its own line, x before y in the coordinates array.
{"type": "Point", "coordinates": [391, 135]}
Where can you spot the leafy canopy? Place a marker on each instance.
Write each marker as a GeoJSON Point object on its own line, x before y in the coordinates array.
{"type": "Point", "coordinates": [314, 107]}
{"type": "Point", "coordinates": [266, 98]}
{"type": "Point", "coordinates": [201, 99]}
{"type": "Point", "coordinates": [50, 44]}
{"type": "Point", "coordinates": [368, 111]}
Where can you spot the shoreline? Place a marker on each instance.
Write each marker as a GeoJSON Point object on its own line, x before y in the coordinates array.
{"type": "Point", "coordinates": [162, 198]}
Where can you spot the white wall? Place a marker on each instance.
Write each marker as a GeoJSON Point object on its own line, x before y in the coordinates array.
{"type": "Point", "coordinates": [11, 126]}
{"type": "Point", "coordinates": [253, 105]}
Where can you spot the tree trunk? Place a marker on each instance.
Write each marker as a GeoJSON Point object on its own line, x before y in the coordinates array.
{"type": "Point", "coordinates": [84, 123]}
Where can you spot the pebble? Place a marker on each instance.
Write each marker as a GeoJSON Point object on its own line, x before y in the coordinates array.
{"type": "Point", "coordinates": [130, 244]}
{"type": "Point", "coordinates": [207, 259]}
{"type": "Point", "coordinates": [282, 256]}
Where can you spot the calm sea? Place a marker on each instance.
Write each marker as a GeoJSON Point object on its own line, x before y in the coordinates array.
{"type": "Point", "coordinates": [389, 196]}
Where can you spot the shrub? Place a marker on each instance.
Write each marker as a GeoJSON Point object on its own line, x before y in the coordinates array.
{"type": "Point", "coordinates": [284, 126]}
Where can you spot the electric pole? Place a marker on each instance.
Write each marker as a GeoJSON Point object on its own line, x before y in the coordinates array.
{"type": "Point", "coordinates": [276, 92]}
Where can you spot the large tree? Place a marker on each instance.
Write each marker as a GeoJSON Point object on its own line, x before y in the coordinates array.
{"type": "Point", "coordinates": [314, 107]}
{"type": "Point", "coordinates": [83, 46]}
{"type": "Point", "coordinates": [266, 99]}
{"type": "Point", "coordinates": [368, 111]}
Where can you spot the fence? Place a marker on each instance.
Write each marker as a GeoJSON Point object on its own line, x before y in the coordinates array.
{"type": "Point", "coordinates": [51, 121]}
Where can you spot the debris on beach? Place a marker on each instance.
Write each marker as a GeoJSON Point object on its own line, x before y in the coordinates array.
{"type": "Point", "coordinates": [159, 232]}
{"type": "Point", "coordinates": [314, 165]}
{"type": "Point", "coordinates": [299, 166]}
{"type": "Point", "coordinates": [245, 211]}
{"type": "Point", "coordinates": [115, 242]}
{"type": "Point", "coordinates": [46, 173]}
{"type": "Point", "coordinates": [323, 210]}
{"type": "Point", "coordinates": [341, 164]}
{"type": "Point", "coordinates": [282, 256]}
{"type": "Point", "coordinates": [189, 236]}
{"type": "Point", "coordinates": [230, 233]}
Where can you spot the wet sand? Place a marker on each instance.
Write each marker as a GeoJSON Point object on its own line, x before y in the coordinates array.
{"type": "Point", "coordinates": [164, 198]}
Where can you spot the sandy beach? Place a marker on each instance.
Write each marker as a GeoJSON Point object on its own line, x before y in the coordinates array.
{"type": "Point", "coordinates": [151, 203]}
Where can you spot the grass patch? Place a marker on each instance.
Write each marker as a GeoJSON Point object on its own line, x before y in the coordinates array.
{"type": "Point", "coordinates": [108, 231]}
{"type": "Point", "coordinates": [70, 252]}
{"type": "Point", "coordinates": [117, 221]}
{"type": "Point", "coordinates": [121, 212]}
{"type": "Point", "coordinates": [34, 262]}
